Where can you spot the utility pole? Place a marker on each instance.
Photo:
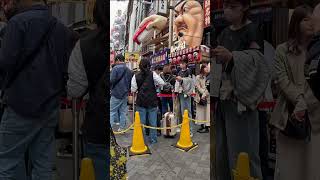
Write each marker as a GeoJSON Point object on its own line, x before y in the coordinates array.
{"type": "Point", "coordinates": [171, 23]}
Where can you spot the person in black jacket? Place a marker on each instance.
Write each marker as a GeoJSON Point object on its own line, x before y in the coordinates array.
{"type": "Point", "coordinates": [87, 73]}
{"type": "Point", "coordinates": [33, 55]}
{"type": "Point", "coordinates": [313, 56]}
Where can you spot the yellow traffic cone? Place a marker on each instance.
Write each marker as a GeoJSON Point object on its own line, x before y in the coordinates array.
{"type": "Point", "coordinates": [138, 146]}
{"type": "Point", "coordinates": [242, 171]}
{"type": "Point", "coordinates": [185, 143]}
{"type": "Point", "coordinates": [87, 170]}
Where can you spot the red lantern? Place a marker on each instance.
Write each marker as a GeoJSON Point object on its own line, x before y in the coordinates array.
{"type": "Point", "coordinates": [178, 60]}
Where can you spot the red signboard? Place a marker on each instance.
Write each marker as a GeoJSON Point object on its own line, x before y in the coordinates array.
{"type": "Point", "coordinates": [206, 8]}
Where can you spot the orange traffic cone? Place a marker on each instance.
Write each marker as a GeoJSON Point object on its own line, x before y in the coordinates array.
{"type": "Point", "coordinates": [242, 171]}
{"type": "Point", "coordinates": [87, 170]}
{"type": "Point", "coordinates": [138, 146]}
{"type": "Point", "coordinates": [185, 142]}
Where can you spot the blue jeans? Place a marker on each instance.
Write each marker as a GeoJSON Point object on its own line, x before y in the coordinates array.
{"type": "Point", "coordinates": [152, 117]}
{"type": "Point", "coordinates": [164, 102]}
{"type": "Point", "coordinates": [118, 108]}
{"type": "Point", "coordinates": [98, 153]}
{"type": "Point", "coordinates": [19, 135]}
{"type": "Point", "coordinates": [185, 104]}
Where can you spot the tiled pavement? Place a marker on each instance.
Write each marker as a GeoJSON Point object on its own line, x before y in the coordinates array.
{"type": "Point", "coordinates": [167, 162]}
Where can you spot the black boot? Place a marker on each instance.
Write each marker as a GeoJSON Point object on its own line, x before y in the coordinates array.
{"type": "Point", "coordinates": [201, 129]}
{"type": "Point", "coordinates": [204, 130]}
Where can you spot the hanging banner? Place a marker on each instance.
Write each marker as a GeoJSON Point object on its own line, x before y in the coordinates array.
{"type": "Point", "coordinates": [206, 8]}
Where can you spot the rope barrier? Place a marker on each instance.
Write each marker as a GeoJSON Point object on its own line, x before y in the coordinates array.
{"type": "Point", "coordinates": [199, 121]}
{"type": "Point", "coordinates": [164, 128]}
{"type": "Point", "coordinates": [124, 131]}
{"type": "Point", "coordinates": [158, 128]}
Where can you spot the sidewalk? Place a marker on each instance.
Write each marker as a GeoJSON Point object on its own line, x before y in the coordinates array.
{"type": "Point", "coordinates": [167, 162]}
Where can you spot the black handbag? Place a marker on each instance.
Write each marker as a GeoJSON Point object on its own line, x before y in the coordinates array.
{"type": "Point", "coordinates": [300, 130]}
{"type": "Point", "coordinates": [203, 102]}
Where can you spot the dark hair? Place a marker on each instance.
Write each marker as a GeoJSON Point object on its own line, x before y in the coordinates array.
{"type": "Point", "coordinates": [294, 33]}
{"type": "Point", "coordinates": [100, 14]}
{"type": "Point", "coordinates": [185, 60]}
{"type": "Point", "coordinates": [202, 68]}
{"type": "Point", "coordinates": [120, 58]}
{"type": "Point", "coordinates": [244, 3]}
{"type": "Point", "coordinates": [167, 69]}
{"type": "Point", "coordinates": [144, 66]}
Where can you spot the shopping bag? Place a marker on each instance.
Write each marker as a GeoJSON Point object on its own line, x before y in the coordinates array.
{"type": "Point", "coordinates": [118, 160]}
{"type": "Point", "coordinates": [66, 116]}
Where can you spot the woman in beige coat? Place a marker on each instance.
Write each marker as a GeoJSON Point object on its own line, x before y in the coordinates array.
{"type": "Point", "coordinates": [296, 159]}
{"type": "Point", "coordinates": [203, 111]}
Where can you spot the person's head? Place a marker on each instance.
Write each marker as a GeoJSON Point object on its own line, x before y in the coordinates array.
{"type": "Point", "coordinates": [119, 59]}
{"type": "Point", "coordinates": [316, 18]}
{"type": "Point", "coordinates": [204, 70]}
{"type": "Point", "coordinates": [11, 7]}
{"type": "Point", "coordinates": [236, 11]}
{"type": "Point", "coordinates": [167, 69]}
{"type": "Point", "coordinates": [300, 27]}
{"type": "Point", "coordinates": [189, 22]}
{"type": "Point", "coordinates": [131, 57]}
{"type": "Point", "coordinates": [157, 69]}
{"type": "Point", "coordinates": [100, 16]}
{"type": "Point", "coordinates": [144, 65]}
{"type": "Point", "coordinates": [184, 63]}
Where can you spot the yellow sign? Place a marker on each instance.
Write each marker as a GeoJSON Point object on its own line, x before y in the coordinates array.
{"type": "Point", "coordinates": [132, 56]}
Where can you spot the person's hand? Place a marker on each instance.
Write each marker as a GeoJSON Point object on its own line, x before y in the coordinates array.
{"type": "Point", "coordinates": [179, 78]}
{"type": "Point", "coordinates": [300, 115]}
{"type": "Point", "coordinates": [158, 22]}
{"type": "Point", "coordinates": [222, 54]}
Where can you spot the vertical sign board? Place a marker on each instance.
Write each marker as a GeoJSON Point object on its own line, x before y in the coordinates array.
{"type": "Point", "coordinates": [162, 7]}
{"type": "Point", "coordinates": [206, 8]}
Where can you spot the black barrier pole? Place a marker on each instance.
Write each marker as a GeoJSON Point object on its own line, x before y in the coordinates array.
{"type": "Point", "coordinates": [75, 139]}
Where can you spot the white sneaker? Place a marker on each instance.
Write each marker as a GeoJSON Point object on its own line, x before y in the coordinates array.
{"type": "Point", "coordinates": [191, 134]}
{"type": "Point", "coordinates": [178, 130]}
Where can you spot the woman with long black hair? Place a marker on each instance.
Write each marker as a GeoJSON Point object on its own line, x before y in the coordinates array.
{"type": "Point", "coordinates": [144, 84]}
{"type": "Point", "coordinates": [87, 73]}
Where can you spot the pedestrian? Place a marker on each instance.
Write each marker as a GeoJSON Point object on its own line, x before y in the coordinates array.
{"type": "Point", "coordinates": [87, 74]}
{"type": "Point", "coordinates": [313, 56]}
{"type": "Point", "coordinates": [243, 82]}
{"type": "Point", "coordinates": [144, 84]}
{"type": "Point", "coordinates": [296, 158]}
{"type": "Point", "coordinates": [34, 56]}
{"type": "Point", "coordinates": [202, 99]}
{"type": "Point", "coordinates": [184, 87]}
{"type": "Point", "coordinates": [120, 79]}
{"type": "Point", "coordinates": [167, 90]}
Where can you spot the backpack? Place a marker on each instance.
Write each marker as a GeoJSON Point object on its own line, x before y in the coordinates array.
{"type": "Point", "coordinates": [167, 87]}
